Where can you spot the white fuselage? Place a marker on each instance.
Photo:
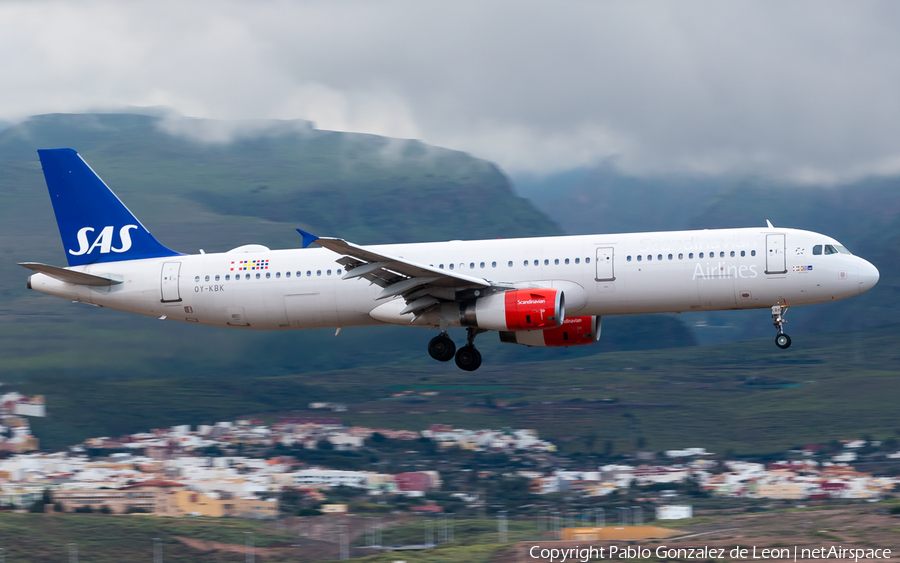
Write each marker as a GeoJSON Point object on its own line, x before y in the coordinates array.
{"type": "Point", "coordinates": [600, 274]}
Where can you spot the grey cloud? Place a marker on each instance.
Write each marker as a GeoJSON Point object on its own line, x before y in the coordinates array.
{"type": "Point", "coordinates": [799, 90]}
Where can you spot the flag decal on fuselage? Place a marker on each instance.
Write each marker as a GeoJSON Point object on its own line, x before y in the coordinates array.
{"type": "Point", "coordinates": [243, 265]}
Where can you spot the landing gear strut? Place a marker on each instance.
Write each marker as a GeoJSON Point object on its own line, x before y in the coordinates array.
{"type": "Point", "coordinates": [441, 348]}
{"type": "Point", "coordinates": [782, 340]}
{"type": "Point", "coordinates": [467, 357]}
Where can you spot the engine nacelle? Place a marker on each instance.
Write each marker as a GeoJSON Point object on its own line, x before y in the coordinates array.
{"type": "Point", "coordinates": [518, 309]}
{"type": "Point", "coordinates": [575, 331]}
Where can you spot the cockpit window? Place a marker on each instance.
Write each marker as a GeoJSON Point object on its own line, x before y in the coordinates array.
{"type": "Point", "coordinates": [843, 250]}
{"type": "Point", "coordinates": [817, 250]}
{"type": "Point", "coordinates": [830, 249]}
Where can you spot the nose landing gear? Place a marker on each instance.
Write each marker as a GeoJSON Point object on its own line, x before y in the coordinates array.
{"type": "Point", "coordinates": [782, 340]}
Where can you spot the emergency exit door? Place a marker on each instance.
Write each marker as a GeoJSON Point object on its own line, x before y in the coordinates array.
{"type": "Point", "coordinates": [605, 264]}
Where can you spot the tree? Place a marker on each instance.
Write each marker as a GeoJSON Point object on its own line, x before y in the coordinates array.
{"type": "Point", "coordinates": [58, 507]}
{"type": "Point", "coordinates": [105, 509]}
{"type": "Point", "coordinates": [324, 444]}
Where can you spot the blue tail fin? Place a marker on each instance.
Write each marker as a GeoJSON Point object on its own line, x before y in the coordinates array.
{"type": "Point", "coordinates": [95, 226]}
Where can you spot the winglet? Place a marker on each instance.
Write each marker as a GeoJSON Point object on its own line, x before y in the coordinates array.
{"type": "Point", "coordinates": [308, 238]}
{"type": "Point", "coordinates": [769, 224]}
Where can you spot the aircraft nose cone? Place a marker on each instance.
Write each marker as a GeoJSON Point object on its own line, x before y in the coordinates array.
{"type": "Point", "coordinates": [868, 276]}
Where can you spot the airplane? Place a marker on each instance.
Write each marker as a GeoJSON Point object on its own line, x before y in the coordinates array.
{"type": "Point", "coordinates": [544, 291]}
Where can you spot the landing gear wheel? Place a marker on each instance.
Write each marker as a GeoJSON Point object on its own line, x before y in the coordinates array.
{"type": "Point", "coordinates": [783, 341]}
{"type": "Point", "coordinates": [468, 358]}
{"type": "Point", "coordinates": [441, 348]}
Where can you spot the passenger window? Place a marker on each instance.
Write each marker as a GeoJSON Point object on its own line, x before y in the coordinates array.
{"type": "Point", "coordinates": [277, 274]}
{"type": "Point", "coordinates": [526, 262]}
{"type": "Point", "coordinates": [217, 277]}
{"type": "Point", "coordinates": [451, 266]}
{"type": "Point", "coordinates": [691, 255]}
{"type": "Point", "coordinates": [722, 254]}
{"type": "Point", "coordinates": [339, 271]}
{"type": "Point", "coordinates": [308, 273]}
{"type": "Point", "coordinates": [628, 259]}
{"type": "Point", "coordinates": [287, 274]}
{"type": "Point", "coordinates": [670, 257]}
{"type": "Point", "coordinates": [510, 264]}
{"type": "Point", "coordinates": [328, 272]}
{"type": "Point", "coordinates": [732, 253]}
{"type": "Point", "coordinates": [268, 275]}
{"type": "Point", "coordinates": [196, 278]}
{"type": "Point", "coordinates": [462, 266]}
{"type": "Point", "coordinates": [701, 255]}
{"type": "Point", "coordinates": [206, 278]}
{"type": "Point", "coordinates": [752, 253]}
{"type": "Point", "coordinates": [681, 256]}
{"type": "Point", "coordinates": [567, 261]}
{"type": "Point", "coordinates": [299, 274]}
{"type": "Point", "coordinates": [817, 250]}
{"type": "Point", "coordinates": [535, 262]}
{"type": "Point", "coordinates": [482, 264]}
{"type": "Point", "coordinates": [829, 249]}
{"type": "Point", "coordinates": [227, 277]}
{"type": "Point", "coordinates": [587, 260]}
{"type": "Point", "coordinates": [556, 262]}
{"type": "Point", "coordinates": [578, 260]}
{"type": "Point", "coordinates": [649, 257]}
{"type": "Point", "coordinates": [546, 262]}
{"type": "Point", "coordinates": [743, 253]}
{"type": "Point", "coordinates": [472, 265]}
{"type": "Point", "coordinates": [257, 275]}
{"type": "Point", "coordinates": [639, 257]}
{"type": "Point", "coordinates": [441, 266]}
{"type": "Point", "coordinates": [246, 276]}
{"type": "Point", "coordinates": [493, 264]}
{"type": "Point", "coordinates": [318, 272]}
{"type": "Point", "coordinates": [659, 257]}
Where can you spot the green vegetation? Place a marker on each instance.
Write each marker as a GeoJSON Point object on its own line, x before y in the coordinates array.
{"type": "Point", "coordinates": [217, 196]}
{"type": "Point", "coordinates": [612, 403]}
{"type": "Point", "coordinates": [112, 539]}
{"type": "Point", "coordinates": [864, 216]}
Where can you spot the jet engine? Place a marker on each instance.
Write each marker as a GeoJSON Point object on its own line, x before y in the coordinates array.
{"type": "Point", "coordinates": [514, 310]}
{"type": "Point", "coordinates": [575, 331]}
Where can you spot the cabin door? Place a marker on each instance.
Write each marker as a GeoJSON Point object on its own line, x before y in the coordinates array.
{"type": "Point", "coordinates": [775, 259]}
{"type": "Point", "coordinates": [171, 272]}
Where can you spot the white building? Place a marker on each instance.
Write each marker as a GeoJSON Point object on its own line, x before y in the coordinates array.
{"type": "Point", "coordinates": [674, 512]}
{"type": "Point", "coordinates": [331, 478]}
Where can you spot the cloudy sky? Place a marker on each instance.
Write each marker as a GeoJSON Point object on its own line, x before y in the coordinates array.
{"type": "Point", "coordinates": [803, 90]}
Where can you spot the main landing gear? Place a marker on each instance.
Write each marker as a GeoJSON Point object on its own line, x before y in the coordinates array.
{"type": "Point", "coordinates": [442, 349]}
{"type": "Point", "coordinates": [782, 340]}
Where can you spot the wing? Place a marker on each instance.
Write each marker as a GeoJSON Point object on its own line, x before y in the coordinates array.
{"type": "Point", "coordinates": [423, 287]}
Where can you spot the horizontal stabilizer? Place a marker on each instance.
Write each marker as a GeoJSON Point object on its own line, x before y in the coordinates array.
{"type": "Point", "coordinates": [69, 276]}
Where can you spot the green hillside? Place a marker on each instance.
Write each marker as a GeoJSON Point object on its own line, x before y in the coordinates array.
{"type": "Point", "coordinates": [257, 188]}
{"type": "Point", "coordinates": [746, 397]}
{"type": "Point", "coordinates": [864, 216]}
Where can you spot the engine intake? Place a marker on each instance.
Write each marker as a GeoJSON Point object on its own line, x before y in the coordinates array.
{"type": "Point", "coordinates": [515, 310]}
{"type": "Point", "coordinates": [575, 331]}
